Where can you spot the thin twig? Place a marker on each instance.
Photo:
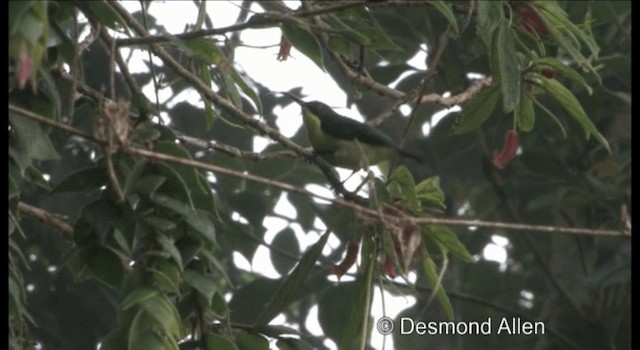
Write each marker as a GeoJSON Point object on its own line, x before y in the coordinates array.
{"type": "Point", "coordinates": [361, 209]}
{"type": "Point", "coordinates": [53, 220]}
{"type": "Point", "coordinates": [257, 21]}
{"type": "Point", "coordinates": [225, 104]}
{"type": "Point", "coordinates": [234, 151]}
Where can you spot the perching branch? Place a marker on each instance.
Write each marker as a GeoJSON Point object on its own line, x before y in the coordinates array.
{"type": "Point", "coordinates": [56, 221]}
{"type": "Point", "coordinates": [362, 210]}
{"type": "Point", "coordinates": [225, 104]}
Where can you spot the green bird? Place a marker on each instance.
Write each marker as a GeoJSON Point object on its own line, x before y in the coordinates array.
{"type": "Point", "coordinates": [344, 142]}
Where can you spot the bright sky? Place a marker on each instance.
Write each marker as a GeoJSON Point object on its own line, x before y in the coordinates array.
{"type": "Point", "coordinates": [261, 65]}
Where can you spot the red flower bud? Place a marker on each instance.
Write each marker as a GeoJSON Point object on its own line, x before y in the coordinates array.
{"type": "Point", "coordinates": [530, 21]}
{"type": "Point", "coordinates": [387, 267]}
{"type": "Point", "coordinates": [511, 143]}
{"type": "Point", "coordinates": [24, 67]}
{"type": "Point", "coordinates": [548, 73]}
{"type": "Point", "coordinates": [349, 260]}
{"type": "Point", "coordinates": [285, 49]}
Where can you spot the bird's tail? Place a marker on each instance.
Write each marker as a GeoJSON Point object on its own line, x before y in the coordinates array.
{"type": "Point", "coordinates": [293, 97]}
{"type": "Point", "coordinates": [413, 156]}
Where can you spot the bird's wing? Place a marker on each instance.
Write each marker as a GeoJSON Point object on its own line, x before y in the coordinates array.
{"type": "Point", "coordinates": [348, 129]}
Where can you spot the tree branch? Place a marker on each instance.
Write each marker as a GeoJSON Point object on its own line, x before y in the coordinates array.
{"type": "Point", "coordinates": [53, 220]}
{"type": "Point", "coordinates": [257, 21]}
{"type": "Point", "coordinates": [225, 104]}
{"type": "Point", "coordinates": [358, 208]}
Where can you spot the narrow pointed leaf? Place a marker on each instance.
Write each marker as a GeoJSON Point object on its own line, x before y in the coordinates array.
{"type": "Point", "coordinates": [570, 104]}
{"type": "Point", "coordinates": [476, 111]}
{"type": "Point", "coordinates": [293, 283]}
{"type": "Point", "coordinates": [504, 66]}
{"type": "Point", "coordinates": [431, 272]}
{"type": "Point", "coordinates": [304, 42]}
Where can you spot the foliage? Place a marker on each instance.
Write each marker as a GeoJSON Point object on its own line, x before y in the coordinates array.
{"type": "Point", "coordinates": [158, 211]}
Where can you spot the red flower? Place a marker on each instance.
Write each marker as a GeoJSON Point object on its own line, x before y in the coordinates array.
{"type": "Point", "coordinates": [388, 268]}
{"type": "Point", "coordinates": [548, 73]}
{"type": "Point", "coordinates": [530, 20]}
{"type": "Point", "coordinates": [511, 143]}
{"type": "Point", "coordinates": [285, 49]}
{"type": "Point", "coordinates": [406, 244]}
{"type": "Point", "coordinates": [349, 260]}
{"type": "Point", "coordinates": [24, 68]}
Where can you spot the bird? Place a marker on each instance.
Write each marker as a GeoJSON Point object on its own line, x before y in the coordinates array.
{"type": "Point", "coordinates": [344, 142]}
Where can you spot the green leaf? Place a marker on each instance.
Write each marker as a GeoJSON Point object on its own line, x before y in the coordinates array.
{"type": "Point", "coordinates": [165, 314]}
{"type": "Point", "coordinates": [17, 10]}
{"type": "Point", "coordinates": [304, 41]}
{"type": "Point", "coordinates": [205, 75]}
{"type": "Point", "coordinates": [217, 264]}
{"type": "Point", "coordinates": [570, 104]}
{"type": "Point", "coordinates": [334, 307]}
{"type": "Point", "coordinates": [504, 67]}
{"type": "Point", "coordinates": [83, 180]}
{"type": "Point", "coordinates": [168, 246]}
{"type": "Point", "coordinates": [285, 241]}
{"type": "Point", "coordinates": [203, 48]}
{"type": "Point", "coordinates": [428, 190]}
{"type": "Point", "coordinates": [446, 11]}
{"type": "Point", "coordinates": [348, 32]}
{"type": "Point", "coordinates": [292, 344]}
{"type": "Point", "coordinates": [524, 114]}
{"type": "Point", "coordinates": [251, 341]}
{"type": "Point", "coordinates": [218, 342]}
{"type": "Point", "coordinates": [202, 222]}
{"type": "Point", "coordinates": [202, 15]}
{"type": "Point", "coordinates": [171, 203]}
{"type": "Point", "coordinates": [50, 89]}
{"type": "Point", "coordinates": [189, 246]}
{"type": "Point", "coordinates": [106, 266]}
{"type": "Point", "coordinates": [167, 276]}
{"type": "Point", "coordinates": [354, 335]}
{"type": "Point", "coordinates": [149, 184]}
{"type": "Point", "coordinates": [490, 14]}
{"type": "Point", "coordinates": [203, 284]}
{"type": "Point", "coordinates": [477, 110]}
{"type": "Point", "coordinates": [239, 80]}
{"type": "Point", "coordinates": [551, 115]}
{"type": "Point", "coordinates": [14, 191]}
{"type": "Point", "coordinates": [403, 186]}
{"type": "Point", "coordinates": [107, 16]}
{"type": "Point", "coordinates": [252, 298]}
{"type": "Point", "coordinates": [339, 44]}
{"type": "Point", "coordinates": [133, 176]}
{"type": "Point", "coordinates": [76, 264]}
{"type": "Point", "coordinates": [196, 187]}
{"type": "Point", "coordinates": [150, 340]}
{"type": "Point", "coordinates": [161, 224]}
{"type": "Point", "coordinates": [430, 270]}
{"type": "Point", "coordinates": [188, 174]}
{"type": "Point", "coordinates": [566, 34]}
{"type": "Point", "coordinates": [561, 68]}
{"type": "Point", "coordinates": [174, 184]}
{"type": "Point", "coordinates": [448, 239]}
{"type": "Point", "coordinates": [32, 138]}
{"type": "Point", "coordinates": [137, 296]}
{"type": "Point", "coordinates": [293, 283]}
{"type": "Point", "coordinates": [35, 176]}
{"type": "Point", "coordinates": [116, 340]}
{"type": "Point", "coordinates": [219, 306]}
